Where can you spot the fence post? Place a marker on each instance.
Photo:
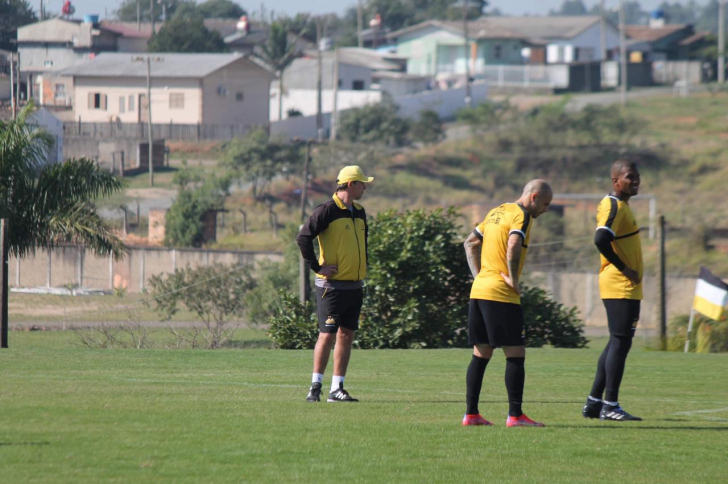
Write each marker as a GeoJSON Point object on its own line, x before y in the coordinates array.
{"type": "Point", "coordinates": [663, 288]}
{"type": "Point", "coordinates": [500, 75]}
{"type": "Point", "coordinates": [79, 126]}
{"type": "Point", "coordinates": [4, 282]}
{"type": "Point", "coordinates": [198, 131]}
{"type": "Point", "coordinates": [48, 272]}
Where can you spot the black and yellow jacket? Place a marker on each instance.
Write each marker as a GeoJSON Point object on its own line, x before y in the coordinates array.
{"type": "Point", "coordinates": [342, 237]}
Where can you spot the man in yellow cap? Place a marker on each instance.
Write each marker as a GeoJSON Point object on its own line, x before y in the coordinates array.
{"type": "Point", "coordinates": [341, 227]}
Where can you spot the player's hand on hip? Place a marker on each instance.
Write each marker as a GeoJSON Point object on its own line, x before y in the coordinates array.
{"type": "Point", "coordinates": [632, 275]}
{"type": "Point", "coordinates": [328, 271]}
{"type": "Point", "coordinates": [511, 284]}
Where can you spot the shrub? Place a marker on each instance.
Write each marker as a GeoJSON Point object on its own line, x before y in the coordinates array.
{"type": "Point", "coordinates": [216, 294]}
{"type": "Point", "coordinates": [418, 286]}
{"type": "Point", "coordinates": [428, 129]}
{"type": "Point", "coordinates": [374, 124]}
{"type": "Point", "coordinates": [549, 322]}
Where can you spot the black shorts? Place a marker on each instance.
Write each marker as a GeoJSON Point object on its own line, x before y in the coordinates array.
{"type": "Point", "coordinates": [622, 316]}
{"type": "Point", "coordinates": [495, 323]}
{"type": "Point", "coordinates": [338, 307]}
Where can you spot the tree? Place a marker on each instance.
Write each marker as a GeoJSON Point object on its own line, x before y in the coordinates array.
{"type": "Point", "coordinates": [13, 14]}
{"type": "Point", "coordinates": [677, 13]}
{"type": "Point", "coordinates": [374, 124]}
{"type": "Point", "coordinates": [186, 32]}
{"type": "Point", "coordinates": [127, 11]}
{"type": "Point", "coordinates": [215, 293]}
{"type": "Point", "coordinates": [570, 7]}
{"type": "Point", "coordinates": [196, 194]}
{"type": "Point", "coordinates": [256, 159]}
{"type": "Point", "coordinates": [47, 205]}
{"type": "Point", "coordinates": [278, 53]}
{"type": "Point", "coordinates": [220, 9]}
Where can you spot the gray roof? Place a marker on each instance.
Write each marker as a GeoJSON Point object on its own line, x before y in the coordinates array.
{"type": "Point", "coordinates": [557, 27]}
{"type": "Point", "coordinates": [171, 65]}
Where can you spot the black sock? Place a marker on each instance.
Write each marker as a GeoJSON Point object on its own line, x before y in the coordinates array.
{"type": "Point", "coordinates": [600, 379]}
{"type": "Point", "coordinates": [473, 383]}
{"type": "Point", "coordinates": [515, 378]}
{"type": "Point", "coordinates": [614, 366]}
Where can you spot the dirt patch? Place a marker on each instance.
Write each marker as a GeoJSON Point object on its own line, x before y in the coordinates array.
{"type": "Point", "coordinates": [686, 120]}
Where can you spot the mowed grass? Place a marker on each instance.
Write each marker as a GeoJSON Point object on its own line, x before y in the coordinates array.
{"type": "Point", "coordinates": [71, 414]}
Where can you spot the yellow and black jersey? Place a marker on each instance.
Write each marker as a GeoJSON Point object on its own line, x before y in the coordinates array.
{"type": "Point", "coordinates": [494, 231]}
{"type": "Point", "coordinates": [616, 218]}
{"type": "Point", "coordinates": [342, 236]}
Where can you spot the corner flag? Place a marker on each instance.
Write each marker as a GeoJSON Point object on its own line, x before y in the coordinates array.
{"type": "Point", "coordinates": [711, 295]}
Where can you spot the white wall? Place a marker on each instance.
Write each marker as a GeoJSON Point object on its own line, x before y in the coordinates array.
{"type": "Point", "coordinates": [444, 103]}
{"type": "Point", "coordinates": [305, 100]}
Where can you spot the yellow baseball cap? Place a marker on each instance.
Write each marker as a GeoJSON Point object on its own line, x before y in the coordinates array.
{"type": "Point", "coordinates": [352, 173]}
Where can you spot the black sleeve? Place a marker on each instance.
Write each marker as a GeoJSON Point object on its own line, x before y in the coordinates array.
{"type": "Point", "coordinates": [316, 224]}
{"type": "Point", "coordinates": [603, 240]}
{"type": "Point", "coordinates": [366, 237]}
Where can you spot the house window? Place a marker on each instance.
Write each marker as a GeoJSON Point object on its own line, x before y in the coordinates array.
{"type": "Point", "coordinates": [59, 91]}
{"type": "Point", "coordinates": [176, 100]}
{"type": "Point", "coordinates": [222, 91]}
{"type": "Point", "coordinates": [122, 104]}
{"type": "Point", "coordinates": [357, 85]}
{"type": "Point", "coordinates": [48, 63]}
{"type": "Point", "coordinates": [239, 96]}
{"type": "Point", "coordinates": [96, 100]}
{"type": "Point", "coordinates": [498, 51]}
{"type": "Point", "coordinates": [131, 103]}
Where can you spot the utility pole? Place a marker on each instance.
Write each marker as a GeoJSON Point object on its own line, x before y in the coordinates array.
{"type": "Point", "coordinates": [359, 23]}
{"type": "Point", "coordinates": [41, 11]}
{"type": "Point", "coordinates": [622, 56]}
{"type": "Point", "coordinates": [4, 282]}
{"type": "Point", "coordinates": [305, 282]}
{"type": "Point", "coordinates": [139, 15]}
{"type": "Point", "coordinates": [14, 107]}
{"type": "Point", "coordinates": [335, 111]}
{"type": "Point", "coordinates": [603, 31]}
{"type": "Point", "coordinates": [148, 59]}
{"type": "Point", "coordinates": [468, 97]}
{"type": "Point", "coordinates": [721, 41]}
{"type": "Point", "coordinates": [319, 108]}
{"type": "Point", "coordinates": [151, 15]}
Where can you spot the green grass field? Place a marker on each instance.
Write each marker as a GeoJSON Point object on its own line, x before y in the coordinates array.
{"type": "Point", "coordinates": [71, 414]}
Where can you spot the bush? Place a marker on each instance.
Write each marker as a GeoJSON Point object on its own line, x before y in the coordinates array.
{"type": "Point", "coordinates": [216, 294]}
{"type": "Point", "coordinates": [549, 322]}
{"type": "Point", "coordinates": [428, 129]}
{"type": "Point", "coordinates": [374, 124]}
{"type": "Point", "coordinates": [418, 286]}
{"type": "Point", "coordinates": [293, 326]}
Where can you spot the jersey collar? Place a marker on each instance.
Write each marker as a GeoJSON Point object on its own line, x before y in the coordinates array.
{"type": "Point", "coordinates": [341, 204]}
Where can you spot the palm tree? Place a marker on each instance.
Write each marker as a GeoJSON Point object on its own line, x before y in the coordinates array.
{"type": "Point", "coordinates": [278, 53]}
{"type": "Point", "coordinates": [52, 204]}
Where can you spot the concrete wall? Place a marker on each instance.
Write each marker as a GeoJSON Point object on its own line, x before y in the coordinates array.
{"type": "Point", "coordinates": [305, 100]}
{"type": "Point", "coordinates": [302, 74]}
{"type": "Point", "coordinates": [76, 266]}
{"type": "Point", "coordinates": [582, 290]}
{"type": "Point", "coordinates": [444, 103]}
{"type": "Point", "coordinates": [102, 149]}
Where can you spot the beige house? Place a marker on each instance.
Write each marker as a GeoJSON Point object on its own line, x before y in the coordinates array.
{"type": "Point", "coordinates": [227, 89]}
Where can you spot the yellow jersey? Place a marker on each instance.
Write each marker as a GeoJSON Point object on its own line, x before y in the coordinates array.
{"type": "Point", "coordinates": [615, 216]}
{"type": "Point", "coordinates": [494, 231]}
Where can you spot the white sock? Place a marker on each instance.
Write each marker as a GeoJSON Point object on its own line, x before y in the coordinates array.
{"type": "Point", "coordinates": [317, 378]}
{"type": "Point", "coordinates": [612, 404]}
{"type": "Point", "coordinates": [335, 382]}
{"type": "Point", "coordinates": [596, 400]}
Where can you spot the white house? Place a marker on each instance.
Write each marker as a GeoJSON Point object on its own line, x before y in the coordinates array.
{"type": "Point", "coordinates": [185, 89]}
{"type": "Point", "coordinates": [45, 120]}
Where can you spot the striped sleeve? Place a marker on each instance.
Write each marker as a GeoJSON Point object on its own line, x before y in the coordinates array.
{"type": "Point", "coordinates": [607, 212]}
{"type": "Point", "coordinates": [479, 230]}
{"type": "Point", "coordinates": [519, 223]}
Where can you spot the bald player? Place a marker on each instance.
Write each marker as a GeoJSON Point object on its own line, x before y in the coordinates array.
{"type": "Point", "coordinates": [496, 252]}
{"type": "Point", "coordinates": [620, 287]}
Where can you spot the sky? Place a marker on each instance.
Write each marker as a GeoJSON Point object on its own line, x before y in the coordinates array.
{"type": "Point", "coordinates": [291, 7]}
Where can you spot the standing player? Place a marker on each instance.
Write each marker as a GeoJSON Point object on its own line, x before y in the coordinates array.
{"type": "Point", "coordinates": [620, 287]}
{"type": "Point", "coordinates": [341, 228]}
{"type": "Point", "coordinates": [496, 252]}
